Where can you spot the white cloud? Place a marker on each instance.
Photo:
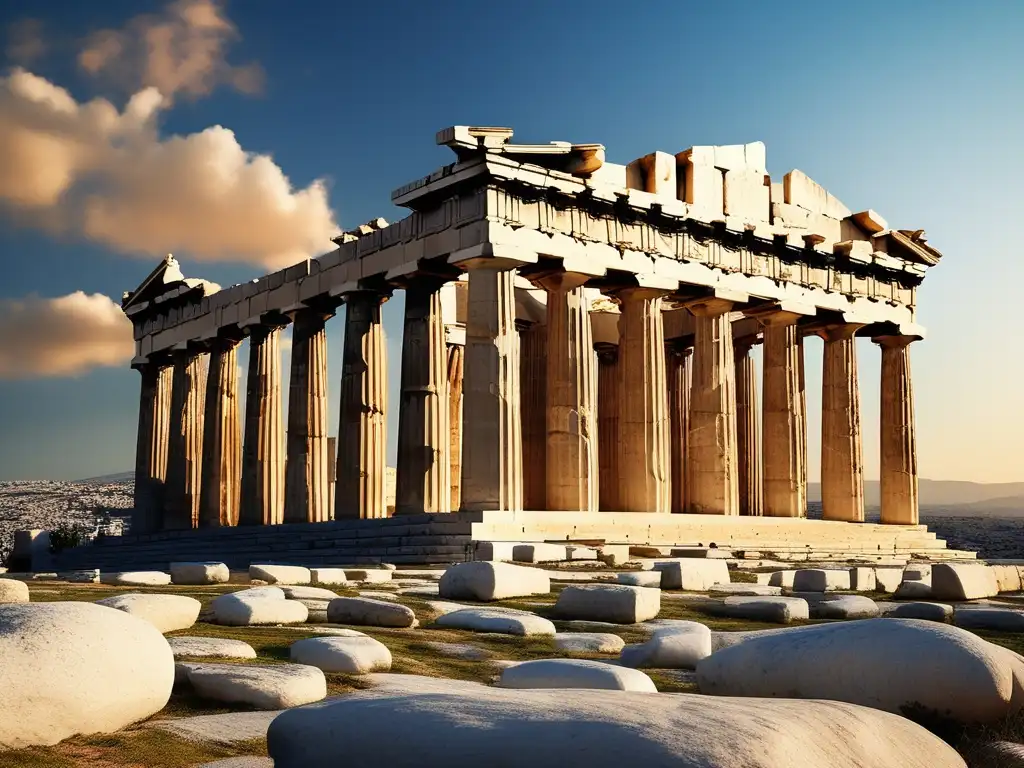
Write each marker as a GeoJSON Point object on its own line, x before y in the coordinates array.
{"type": "Point", "coordinates": [63, 336]}
{"type": "Point", "coordinates": [181, 50]}
{"type": "Point", "coordinates": [88, 169]}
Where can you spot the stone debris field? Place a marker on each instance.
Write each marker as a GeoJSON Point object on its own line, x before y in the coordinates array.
{"type": "Point", "coordinates": [689, 661]}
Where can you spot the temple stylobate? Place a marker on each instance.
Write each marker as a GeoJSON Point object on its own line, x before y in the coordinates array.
{"type": "Point", "coordinates": [577, 339]}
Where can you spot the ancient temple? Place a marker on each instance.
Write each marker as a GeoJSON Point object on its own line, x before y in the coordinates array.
{"type": "Point", "coordinates": [577, 339]}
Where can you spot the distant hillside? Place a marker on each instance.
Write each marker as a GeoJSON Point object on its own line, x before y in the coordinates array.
{"type": "Point", "coordinates": [949, 493]}
{"type": "Point", "coordinates": [119, 477]}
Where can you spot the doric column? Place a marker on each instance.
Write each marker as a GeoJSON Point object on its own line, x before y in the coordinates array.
{"type": "Point", "coordinates": [185, 440]}
{"type": "Point", "coordinates": [608, 425]}
{"type": "Point", "coordinates": [571, 384]}
{"type": "Point", "coordinates": [306, 487]}
{"type": "Point", "coordinates": [533, 367]}
{"type": "Point", "coordinates": [455, 360]}
{"type": "Point", "coordinates": [151, 448]}
{"type": "Point", "coordinates": [492, 447]}
{"type": "Point", "coordinates": [784, 444]}
{"type": "Point", "coordinates": [714, 487]}
{"type": "Point", "coordinates": [362, 427]}
{"type": "Point", "coordinates": [748, 429]}
{"type": "Point", "coordinates": [262, 496]}
{"type": "Point", "coordinates": [222, 440]}
{"type": "Point", "coordinates": [679, 353]}
{"type": "Point", "coordinates": [644, 469]}
{"type": "Point", "coordinates": [424, 480]}
{"type": "Point", "coordinates": [898, 440]}
{"type": "Point", "coordinates": [842, 462]}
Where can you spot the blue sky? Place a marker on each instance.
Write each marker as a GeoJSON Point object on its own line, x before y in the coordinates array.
{"type": "Point", "coordinates": [914, 109]}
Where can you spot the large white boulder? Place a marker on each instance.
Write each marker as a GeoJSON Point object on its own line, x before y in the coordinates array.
{"type": "Point", "coordinates": [168, 613]}
{"type": "Point", "coordinates": [640, 579]}
{"type": "Point", "coordinates": [332, 577]}
{"type": "Point", "coordinates": [897, 665]}
{"type": "Point", "coordinates": [274, 687]}
{"type": "Point", "coordinates": [77, 668]}
{"type": "Point", "coordinates": [928, 611]}
{"type": "Point", "coordinates": [782, 578]}
{"type": "Point", "coordinates": [963, 581]}
{"type": "Point", "coordinates": [280, 574]}
{"type": "Point", "coordinates": [13, 591]}
{"type": "Point", "coordinates": [364, 611]}
{"type": "Point", "coordinates": [1001, 619]}
{"type": "Point", "coordinates": [575, 673]}
{"type": "Point", "coordinates": [844, 607]}
{"type": "Point", "coordinates": [408, 722]}
{"type": "Point", "coordinates": [679, 646]}
{"type": "Point", "coordinates": [505, 622]}
{"type": "Point", "coordinates": [494, 550]}
{"type": "Point", "coordinates": [137, 579]}
{"type": "Point", "coordinates": [692, 574]}
{"type": "Point", "coordinates": [589, 642]}
{"type": "Point", "coordinates": [888, 579]}
{"type": "Point", "coordinates": [617, 603]}
{"type": "Point", "coordinates": [820, 580]}
{"type": "Point", "coordinates": [253, 607]}
{"type": "Point", "coordinates": [777, 610]}
{"type": "Point", "coordinates": [1007, 577]}
{"type": "Point", "coordinates": [350, 655]}
{"type": "Point", "coordinates": [185, 647]}
{"type": "Point", "coordinates": [538, 553]}
{"type": "Point", "coordinates": [308, 593]}
{"type": "Point", "coordinates": [485, 581]}
{"type": "Point", "coordinates": [914, 589]}
{"type": "Point", "coordinates": [199, 573]}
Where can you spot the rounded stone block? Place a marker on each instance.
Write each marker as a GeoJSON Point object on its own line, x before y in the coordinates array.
{"type": "Point", "coordinates": [280, 574]}
{"type": "Point", "coordinates": [168, 613]}
{"type": "Point", "coordinates": [13, 591]}
{"type": "Point", "coordinates": [486, 581]}
{"type": "Point", "coordinates": [364, 611]}
{"type": "Point", "coordinates": [617, 603]}
{"type": "Point", "coordinates": [199, 573]}
{"type": "Point", "coordinates": [347, 655]}
{"type": "Point", "coordinates": [277, 687]}
{"type": "Point", "coordinates": [575, 673]}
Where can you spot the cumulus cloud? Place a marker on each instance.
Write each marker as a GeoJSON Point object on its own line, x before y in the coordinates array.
{"type": "Point", "coordinates": [89, 169]}
{"type": "Point", "coordinates": [25, 42]}
{"type": "Point", "coordinates": [63, 336]}
{"type": "Point", "coordinates": [182, 50]}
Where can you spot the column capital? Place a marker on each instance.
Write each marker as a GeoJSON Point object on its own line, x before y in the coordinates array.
{"type": "Point", "coordinates": [607, 352]}
{"type": "Point", "coordinates": [838, 331]}
{"type": "Point", "coordinates": [558, 280]}
{"type": "Point", "coordinates": [494, 256]}
{"type": "Point", "coordinates": [894, 341]}
{"type": "Point", "coordinates": [710, 307]}
{"type": "Point", "coordinates": [638, 293]}
{"type": "Point", "coordinates": [743, 344]}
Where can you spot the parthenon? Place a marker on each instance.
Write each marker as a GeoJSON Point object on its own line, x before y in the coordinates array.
{"type": "Point", "coordinates": [576, 339]}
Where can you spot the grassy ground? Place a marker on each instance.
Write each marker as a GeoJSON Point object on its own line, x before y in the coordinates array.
{"type": "Point", "coordinates": [412, 651]}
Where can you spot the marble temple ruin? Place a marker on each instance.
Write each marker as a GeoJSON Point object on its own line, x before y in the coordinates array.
{"type": "Point", "coordinates": [577, 339]}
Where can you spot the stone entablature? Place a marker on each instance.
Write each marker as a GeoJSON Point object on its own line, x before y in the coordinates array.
{"type": "Point", "coordinates": [683, 231]}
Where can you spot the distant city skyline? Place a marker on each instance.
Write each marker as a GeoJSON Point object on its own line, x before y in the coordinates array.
{"type": "Point", "coordinates": [248, 137]}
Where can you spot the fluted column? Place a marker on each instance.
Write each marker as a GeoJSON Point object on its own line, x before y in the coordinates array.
{"type": "Point", "coordinates": [679, 369]}
{"type": "Point", "coordinates": [362, 428]}
{"type": "Point", "coordinates": [712, 450]}
{"type": "Point", "coordinates": [222, 440]}
{"type": "Point", "coordinates": [185, 440]}
{"type": "Point", "coordinates": [492, 447]}
{"type": "Point", "coordinates": [608, 425]}
{"type": "Point", "coordinates": [644, 468]}
{"type": "Point", "coordinates": [455, 361]}
{"type": "Point", "coordinates": [571, 384]}
{"type": "Point", "coordinates": [151, 448]}
{"type": "Point", "coordinates": [842, 462]}
{"type": "Point", "coordinates": [748, 430]}
{"type": "Point", "coordinates": [424, 475]}
{"type": "Point", "coordinates": [898, 439]}
{"type": "Point", "coordinates": [784, 443]}
{"type": "Point", "coordinates": [533, 371]}
{"type": "Point", "coordinates": [306, 486]}
{"type": "Point", "coordinates": [263, 468]}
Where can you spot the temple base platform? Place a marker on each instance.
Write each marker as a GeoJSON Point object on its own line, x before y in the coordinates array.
{"type": "Point", "coordinates": [447, 538]}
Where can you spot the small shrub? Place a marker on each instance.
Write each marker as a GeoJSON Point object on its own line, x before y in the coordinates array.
{"type": "Point", "coordinates": [68, 535]}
